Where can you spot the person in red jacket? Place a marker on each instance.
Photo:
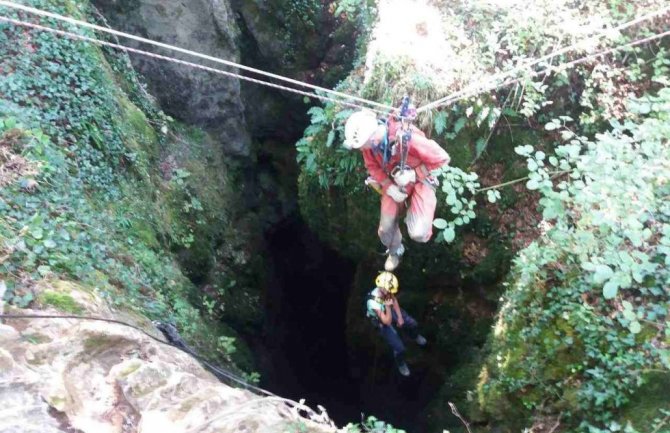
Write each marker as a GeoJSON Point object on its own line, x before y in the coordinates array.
{"type": "Point", "coordinates": [401, 173]}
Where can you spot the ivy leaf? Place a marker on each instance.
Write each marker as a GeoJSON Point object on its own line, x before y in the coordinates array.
{"type": "Point", "coordinates": [635, 327]}
{"type": "Point", "coordinates": [440, 223]}
{"type": "Point", "coordinates": [49, 244]}
{"type": "Point", "coordinates": [44, 270]}
{"type": "Point", "coordinates": [602, 273]}
{"type": "Point", "coordinates": [37, 232]}
{"type": "Point", "coordinates": [610, 289]}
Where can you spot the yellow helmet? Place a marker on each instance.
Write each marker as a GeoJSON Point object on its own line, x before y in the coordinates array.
{"type": "Point", "coordinates": [388, 281]}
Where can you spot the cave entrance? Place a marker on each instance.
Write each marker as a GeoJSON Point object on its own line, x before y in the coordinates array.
{"type": "Point", "coordinates": [306, 301]}
{"type": "Point", "coordinates": [309, 352]}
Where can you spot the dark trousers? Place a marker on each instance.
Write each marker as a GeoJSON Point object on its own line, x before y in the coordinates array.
{"type": "Point", "coordinates": [390, 333]}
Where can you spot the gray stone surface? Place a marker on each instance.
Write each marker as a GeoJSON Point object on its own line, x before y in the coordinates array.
{"type": "Point", "coordinates": [202, 98]}
{"type": "Point", "coordinates": [101, 377]}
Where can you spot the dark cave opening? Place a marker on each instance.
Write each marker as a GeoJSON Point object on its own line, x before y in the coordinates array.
{"type": "Point", "coordinates": [307, 351]}
{"type": "Point", "coordinates": [305, 320]}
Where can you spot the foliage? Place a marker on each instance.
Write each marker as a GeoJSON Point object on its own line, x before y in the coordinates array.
{"type": "Point", "coordinates": [372, 425]}
{"type": "Point", "coordinates": [105, 192]}
{"type": "Point", "coordinates": [585, 318]}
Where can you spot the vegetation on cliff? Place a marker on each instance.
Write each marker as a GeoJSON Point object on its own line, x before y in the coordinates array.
{"type": "Point", "coordinates": [582, 326]}
{"type": "Point", "coordinates": [100, 187]}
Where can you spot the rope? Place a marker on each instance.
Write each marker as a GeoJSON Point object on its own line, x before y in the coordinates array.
{"type": "Point", "coordinates": [80, 23]}
{"type": "Point", "coordinates": [181, 62]}
{"type": "Point", "coordinates": [549, 56]}
{"type": "Point", "coordinates": [218, 370]}
{"type": "Point", "coordinates": [560, 66]}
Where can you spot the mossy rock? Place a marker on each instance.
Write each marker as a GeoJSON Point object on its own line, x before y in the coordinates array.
{"type": "Point", "coordinates": [646, 404]}
{"type": "Point", "coordinates": [60, 301]}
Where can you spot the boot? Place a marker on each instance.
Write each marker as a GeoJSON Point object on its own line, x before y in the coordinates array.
{"type": "Point", "coordinates": [393, 260]}
{"type": "Point", "coordinates": [403, 368]}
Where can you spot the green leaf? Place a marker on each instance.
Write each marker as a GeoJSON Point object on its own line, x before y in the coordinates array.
{"type": "Point", "coordinates": [460, 123]}
{"type": "Point", "coordinates": [37, 232]}
{"type": "Point", "coordinates": [440, 122]}
{"type": "Point", "coordinates": [331, 138]}
{"type": "Point", "coordinates": [602, 273]}
{"type": "Point", "coordinates": [480, 146]}
{"type": "Point", "coordinates": [635, 327]}
{"type": "Point", "coordinates": [44, 270]}
{"type": "Point", "coordinates": [532, 184]}
{"type": "Point", "coordinates": [440, 223]}
{"type": "Point", "coordinates": [449, 234]}
{"type": "Point", "coordinates": [610, 289]}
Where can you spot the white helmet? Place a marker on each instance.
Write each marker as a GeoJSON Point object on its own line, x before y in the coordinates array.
{"type": "Point", "coordinates": [359, 128]}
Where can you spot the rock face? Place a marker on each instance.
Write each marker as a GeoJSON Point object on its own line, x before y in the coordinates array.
{"type": "Point", "coordinates": [209, 100]}
{"type": "Point", "coordinates": [98, 377]}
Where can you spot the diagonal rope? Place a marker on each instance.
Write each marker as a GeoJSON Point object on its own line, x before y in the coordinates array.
{"type": "Point", "coordinates": [558, 67]}
{"type": "Point", "coordinates": [80, 23]}
{"type": "Point", "coordinates": [491, 80]}
{"type": "Point", "coordinates": [182, 62]}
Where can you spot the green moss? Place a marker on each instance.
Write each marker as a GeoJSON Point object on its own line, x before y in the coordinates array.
{"type": "Point", "coordinates": [36, 338]}
{"type": "Point", "coordinates": [646, 403]}
{"type": "Point", "coordinates": [98, 342]}
{"type": "Point", "coordinates": [130, 368]}
{"type": "Point", "coordinates": [61, 301]}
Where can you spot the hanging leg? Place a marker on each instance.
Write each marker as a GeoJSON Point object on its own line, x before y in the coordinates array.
{"type": "Point", "coordinates": [393, 340]}
{"type": "Point", "coordinates": [389, 232]}
{"type": "Point", "coordinates": [420, 215]}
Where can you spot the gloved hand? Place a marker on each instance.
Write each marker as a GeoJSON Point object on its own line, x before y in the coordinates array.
{"type": "Point", "coordinates": [404, 177]}
{"type": "Point", "coordinates": [394, 192]}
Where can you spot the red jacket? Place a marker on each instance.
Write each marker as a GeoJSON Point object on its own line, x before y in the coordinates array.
{"type": "Point", "coordinates": [421, 151]}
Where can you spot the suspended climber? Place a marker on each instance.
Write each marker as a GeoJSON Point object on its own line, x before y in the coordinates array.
{"type": "Point", "coordinates": [384, 311]}
{"type": "Point", "coordinates": [399, 159]}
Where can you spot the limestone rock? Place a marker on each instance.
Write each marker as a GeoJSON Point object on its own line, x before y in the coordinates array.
{"type": "Point", "coordinates": [99, 377]}
{"type": "Point", "coordinates": [209, 100]}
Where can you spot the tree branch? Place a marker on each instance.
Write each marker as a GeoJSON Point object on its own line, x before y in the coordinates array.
{"type": "Point", "coordinates": [455, 412]}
